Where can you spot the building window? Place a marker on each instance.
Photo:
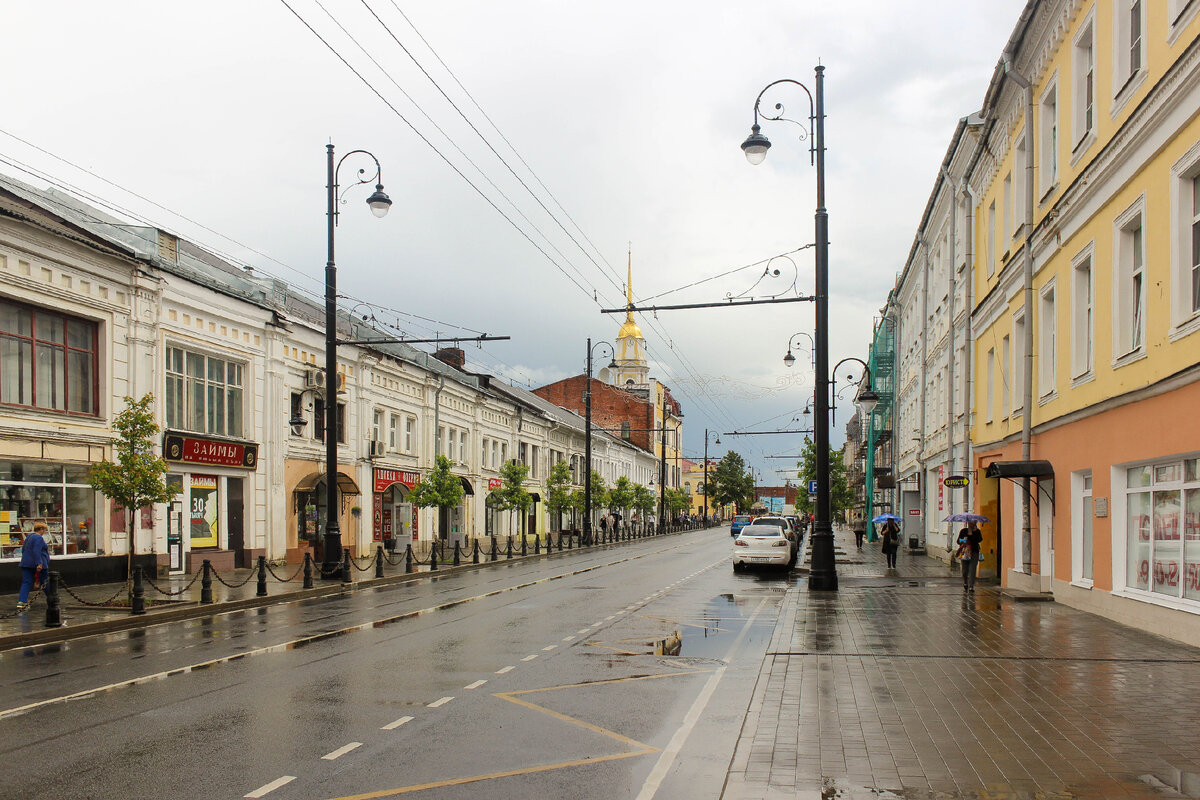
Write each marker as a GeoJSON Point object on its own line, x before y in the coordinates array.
{"type": "Point", "coordinates": [1082, 527]}
{"type": "Point", "coordinates": [319, 420]}
{"type": "Point", "coordinates": [1048, 138]}
{"type": "Point", "coordinates": [47, 360]}
{"type": "Point", "coordinates": [1021, 177]}
{"type": "Point", "coordinates": [1017, 366]}
{"type": "Point", "coordinates": [1047, 342]}
{"type": "Point", "coordinates": [1084, 84]}
{"type": "Point", "coordinates": [410, 423]}
{"type": "Point", "coordinates": [1009, 231]}
{"type": "Point", "coordinates": [203, 393]}
{"type": "Point", "coordinates": [393, 426]}
{"type": "Point", "coordinates": [991, 384]}
{"type": "Point", "coordinates": [1129, 285]}
{"type": "Point", "coordinates": [1082, 315]}
{"type": "Point", "coordinates": [462, 447]}
{"type": "Point", "coordinates": [1005, 358]}
{"type": "Point", "coordinates": [441, 440]}
{"type": "Point", "coordinates": [377, 426]}
{"type": "Point", "coordinates": [58, 496]}
{"type": "Point", "coordinates": [991, 239]}
{"type": "Point", "coordinates": [1163, 528]}
{"type": "Point", "coordinates": [1129, 55]}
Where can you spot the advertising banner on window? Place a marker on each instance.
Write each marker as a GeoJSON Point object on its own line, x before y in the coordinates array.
{"type": "Point", "coordinates": [205, 508]}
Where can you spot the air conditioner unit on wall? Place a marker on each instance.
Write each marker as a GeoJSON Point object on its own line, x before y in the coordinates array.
{"type": "Point", "coordinates": [376, 449]}
{"type": "Point", "coordinates": [315, 379]}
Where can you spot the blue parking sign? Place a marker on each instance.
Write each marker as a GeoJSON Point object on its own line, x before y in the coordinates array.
{"type": "Point", "coordinates": [812, 486]}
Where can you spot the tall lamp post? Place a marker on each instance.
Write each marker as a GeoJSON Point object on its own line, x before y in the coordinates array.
{"type": "Point", "coordinates": [706, 474]}
{"type": "Point", "coordinates": [587, 438]}
{"type": "Point", "coordinates": [379, 203]}
{"type": "Point", "coordinates": [823, 576]}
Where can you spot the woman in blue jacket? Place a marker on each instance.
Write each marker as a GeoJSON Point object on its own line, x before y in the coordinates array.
{"type": "Point", "coordinates": [35, 564]}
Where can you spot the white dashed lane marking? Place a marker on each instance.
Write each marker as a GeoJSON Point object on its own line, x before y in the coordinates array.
{"type": "Point", "coordinates": [440, 702]}
{"type": "Point", "coordinates": [548, 648]}
{"type": "Point", "coordinates": [341, 751]}
{"type": "Point", "coordinates": [568, 638]}
{"type": "Point", "coordinates": [391, 726]}
{"type": "Point", "coordinates": [504, 670]}
{"type": "Point", "coordinates": [530, 658]}
{"type": "Point", "coordinates": [266, 789]}
{"type": "Point", "coordinates": [475, 685]}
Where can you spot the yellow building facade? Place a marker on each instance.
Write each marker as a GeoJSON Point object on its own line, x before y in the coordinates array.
{"type": "Point", "coordinates": [1084, 204]}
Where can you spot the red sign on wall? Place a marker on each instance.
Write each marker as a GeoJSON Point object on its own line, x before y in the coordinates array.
{"type": "Point", "coordinates": [386, 477]}
{"type": "Point", "coordinates": [208, 450]}
{"type": "Point", "coordinates": [494, 484]}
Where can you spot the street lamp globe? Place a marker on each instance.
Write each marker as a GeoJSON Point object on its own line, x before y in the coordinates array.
{"type": "Point", "coordinates": [756, 146]}
{"type": "Point", "coordinates": [867, 400]}
{"type": "Point", "coordinates": [789, 359]}
{"type": "Point", "coordinates": [379, 202]}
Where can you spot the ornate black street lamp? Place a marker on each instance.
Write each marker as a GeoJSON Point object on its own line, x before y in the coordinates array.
{"type": "Point", "coordinates": [718, 441]}
{"type": "Point", "coordinates": [823, 576]}
{"type": "Point", "coordinates": [587, 438]}
{"type": "Point", "coordinates": [379, 203]}
{"type": "Point", "coordinates": [789, 360]}
{"type": "Point", "coordinates": [866, 399]}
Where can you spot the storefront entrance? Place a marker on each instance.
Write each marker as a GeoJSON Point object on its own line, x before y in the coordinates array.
{"type": "Point", "coordinates": [395, 518]}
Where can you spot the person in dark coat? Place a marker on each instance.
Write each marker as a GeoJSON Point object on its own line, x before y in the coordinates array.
{"type": "Point", "coordinates": [891, 542]}
{"type": "Point", "coordinates": [969, 540]}
{"type": "Point", "coordinates": [860, 530]}
{"type": "Point", "coordinates": [35, 564]}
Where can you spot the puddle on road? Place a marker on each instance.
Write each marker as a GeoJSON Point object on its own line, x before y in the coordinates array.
{"type": "Point", "coordinates": [711, 634]}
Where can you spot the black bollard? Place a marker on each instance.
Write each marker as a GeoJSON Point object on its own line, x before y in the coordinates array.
{"type": "Point", "coordinates": [308, 571]}
{"type": "Point", "coordinates": [457, 555]}
{"type": "Point", "coordinates": [570, 540]}
{"type": "Point", "coordinates": [408, 567]}
{"type": "Point", "coordinates": [379, 561]}
{"type": "Point", "coordinates": [537, 545]}
{"type": "Point", "coordinates": [206, 583]}
{"type": "Point", "coordinates": [345, 565]}
{"type": "Point", "coordinates": [493, 548]}
{"type": "Point", "coordinates": [262, 577]}
{"type": "Point", "coordinates": [560, 534]}
{"type": "Point", "coordinates": [475, 552]}
{"type": "Point", "coordinates": [524, 544]}
{"type": "Point", "coordinates": [433, 556]}
{"type": "Point", "coordinates": [138, 603]}
{"type": "Point", "coordinates": [508, 547]}
{"type": "Point", "coordinates": [53, 609]}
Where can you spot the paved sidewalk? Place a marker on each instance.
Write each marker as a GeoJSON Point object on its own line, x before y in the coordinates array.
{"type": "Point", "coordinates": [902, 685]}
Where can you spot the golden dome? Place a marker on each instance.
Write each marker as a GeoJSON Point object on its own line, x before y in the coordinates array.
{"type": "Point", "coordinates": [630, 329]}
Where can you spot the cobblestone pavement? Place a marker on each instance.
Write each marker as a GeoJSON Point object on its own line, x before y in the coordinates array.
{"type": "Point", "coordinates": [903, 685]}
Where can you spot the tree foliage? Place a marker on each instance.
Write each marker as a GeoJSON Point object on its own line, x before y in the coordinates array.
{"type": "Point", "coordinates": [440, 487]}
{"type": "Point", "coordinates": [841, 496]}
{"type": "Point", "coordinates": [137, 478]}
{"type": "Point", "coordinates": [677, 501]}
{"type": "Point", "coordinates": [643, 499]}
{"type": "Point", "coordinates": [512, 495]}
{"type": "Point", "coordinates": [730, 483]}
{"type": "Point", "coordinates": [558, 490]}
{"type": "Point", "coordinates": [621, 495]}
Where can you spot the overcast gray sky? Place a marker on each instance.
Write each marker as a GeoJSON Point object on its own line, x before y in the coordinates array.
{"type": "Point", "coordinates": [629, 113]}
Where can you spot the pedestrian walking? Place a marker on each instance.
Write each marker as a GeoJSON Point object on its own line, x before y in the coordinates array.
{"type": "Point", "coordinates": [860, 530]}
{"type": "Point", "coordinates": [35, 564]}
{"type": "Point", "coordinates": [891, 542]}
{"type": "Point", "coordinates": [969, 540]}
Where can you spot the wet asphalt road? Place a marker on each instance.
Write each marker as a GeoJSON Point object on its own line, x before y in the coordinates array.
{"type": "Point", "coordinates": [525, 680]}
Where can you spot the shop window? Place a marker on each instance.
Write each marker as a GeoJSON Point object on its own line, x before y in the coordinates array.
{"type": "Point", "coordinates": [203, 393]}
{"type": "Point", "coordinates": [51, 494]}
{"type": "Point", "coordinates": [47, 360]}
{"type": "Point", "coordinates": [205, 512]}
{"type": "Point", "coordinates": [1163, 529]}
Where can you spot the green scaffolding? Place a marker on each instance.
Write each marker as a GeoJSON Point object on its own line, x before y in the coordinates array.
{"type": "Point", "coordinates": [880, 422]}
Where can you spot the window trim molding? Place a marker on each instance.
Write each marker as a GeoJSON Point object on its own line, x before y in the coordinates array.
{"type": "Point", "coordinates": [1047, 184]}
{"type": "Point", "coordinates": [1088, 254]}
{"type": "Point", "coordinates": [1183, 17]}
{"type": "Point", "coordinates": [1123, 355]}
{"type": "Point", "coordinates": [1185, 170]}
{"type": "Point", "coordinates": [1085, 139]}
{"type": "Point", "coordinates": [1044, 394]}
{"type": "Point", "coordinates": [1125, 85]}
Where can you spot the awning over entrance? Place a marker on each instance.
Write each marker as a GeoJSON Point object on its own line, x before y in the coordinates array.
{"type": "Point", "coordinates": [1020, 469]}
{"type": "Point", "coordinates": [345, 483]}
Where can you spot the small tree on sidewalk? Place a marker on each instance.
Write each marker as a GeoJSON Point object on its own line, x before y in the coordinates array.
{"type": "Point", "coordinates": [621, 496]}
{"type": "Point", "coordinates": [512, 496]}
{"type": "Point", "coordinates": [558, 490]}
{"type": "Point", "coordinates": [137, 478]}
{"type": "Point", "coordinates": [440, 488]}
{"type": "Point", "coordinates": [644, 501]}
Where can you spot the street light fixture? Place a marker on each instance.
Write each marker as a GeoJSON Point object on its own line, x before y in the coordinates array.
{"type": "Point", "coordinates": [789, 360]}
{"type": "Point", "coordinates": [587, 438]}
{"type": "Point", "coordinates": [379, 203]}
{"type": "Point", "coordinates": [718, 441]}
{"type": "Point", "coordinates": [866, 399]}
{"type": "Point", "coordinates": [823, 576]}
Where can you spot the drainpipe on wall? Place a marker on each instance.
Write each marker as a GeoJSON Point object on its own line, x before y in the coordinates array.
{"type": "Point", "coordinates": [968, 375]}
{"type": "Point", "coordinates": [924, 484]}
{"type": "Point", "coordinates": [951, 354]}
{"type": "Point", "coordinates": [1027, 371]}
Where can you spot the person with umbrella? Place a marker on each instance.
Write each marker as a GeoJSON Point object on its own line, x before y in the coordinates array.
{"type": "Point", "coordinates": [969, 540]}
{"type": "Point", "coordinates": [891, 537]}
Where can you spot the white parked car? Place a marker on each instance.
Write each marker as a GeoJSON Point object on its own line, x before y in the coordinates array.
{"type": "Point", "coordinates": [762, 545]}
{"type": "Point", "coordinates": [789, 530]}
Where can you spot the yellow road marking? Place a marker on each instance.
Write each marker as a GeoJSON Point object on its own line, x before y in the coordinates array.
{"type": "Point", "coordinates": [640, 748]}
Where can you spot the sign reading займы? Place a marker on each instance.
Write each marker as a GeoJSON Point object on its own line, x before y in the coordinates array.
{"type": "Point", "coordinates": [192, 449]}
